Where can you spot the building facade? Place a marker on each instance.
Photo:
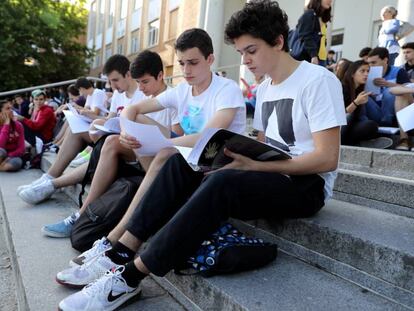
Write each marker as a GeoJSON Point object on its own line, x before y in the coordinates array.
{"type": "Point", "coordinates": [130, 26]}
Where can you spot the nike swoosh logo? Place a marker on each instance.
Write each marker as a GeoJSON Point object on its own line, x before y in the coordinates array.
{"type": "Point", "coordinates": [112, 298]}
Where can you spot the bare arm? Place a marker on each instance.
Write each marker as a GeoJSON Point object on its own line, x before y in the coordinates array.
{"type": "Point", "coordinates": [401, 90]}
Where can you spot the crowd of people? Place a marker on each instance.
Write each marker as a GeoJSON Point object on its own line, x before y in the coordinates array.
{"type": "Point", "coordinates": [299, 103]}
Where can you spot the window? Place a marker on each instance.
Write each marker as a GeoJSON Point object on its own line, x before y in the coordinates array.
{"type": "Point", "coordinates": [98, 59]}
{"type": "Point", "coordinates": [153, 32]}
{"type": "Point", "coordinates": [173, 24]}
{"type": "Point", "coordinates": [337, 39]}
{"type": "Point", "coordinates": [101, 16]}
{"type": "Point", "coordinates": [124, 9]}
{"type": "Point", "coordinates": [173, 4]}
{"type": "Point", "coordinates": [134, 44]}
{"type": "Point", "coordinates": [337, 43]}
{"type": "Point", "coordinates": [136, 15]}
{"type": "Point", "coordinates": [154, 9]}
{"type": "Point", "coordinates": [92, 21]}
{"type": "Point", "coordinates": [108, 52]}
{"type": "Point", "coordinates": [120, 48]}
{"type": "Point", "coordinates": [111, 13]}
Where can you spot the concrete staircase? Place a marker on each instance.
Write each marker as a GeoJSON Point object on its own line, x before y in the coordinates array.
{"type": "Point", "coordinates": [356, 254]}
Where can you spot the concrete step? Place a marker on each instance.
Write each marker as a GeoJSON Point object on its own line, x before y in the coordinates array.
{"type": "Point", "coordinates": [369, 247]}
{"type": "Point", "coordinates": [372, 248]}
{"type": "Point", "coordinates": [385, 191]}
{"type": "Point", "coordinates": [378, 161]}
{"type": "Point", "coordinates": [36, 259]}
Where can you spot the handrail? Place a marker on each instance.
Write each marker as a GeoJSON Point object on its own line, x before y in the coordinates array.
{"type": "Point", "coordinates": [27, 89]}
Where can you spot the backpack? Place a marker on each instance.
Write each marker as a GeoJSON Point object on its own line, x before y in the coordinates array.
{"type": "Point", "coordinates": [229, 251]}
{"type": "Point", "coordinates": [103, 214]}
{"type": "Point", "coordinates": [296, 45]}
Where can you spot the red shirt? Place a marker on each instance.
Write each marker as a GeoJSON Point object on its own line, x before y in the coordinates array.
{"type": "Point", "coordinates": [12, 139]}
{"type": "Point", "coordinates": [42, 121]}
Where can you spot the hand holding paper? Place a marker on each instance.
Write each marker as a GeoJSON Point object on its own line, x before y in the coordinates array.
{"type": "Point", "coordinates": [375, 72]}
{"type": "Point", "coordinates": [149, 137]}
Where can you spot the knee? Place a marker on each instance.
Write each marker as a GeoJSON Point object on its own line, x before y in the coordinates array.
{"type": "Point", "coordinates": [111, 145]}
{"type": "Point", "coordinates": [221, 179]}
{"type": "Point", "coordinates": [163, 157]}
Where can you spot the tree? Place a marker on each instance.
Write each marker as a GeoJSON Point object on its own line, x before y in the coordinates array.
{"type": "Point", "coordinates": [39, 42]}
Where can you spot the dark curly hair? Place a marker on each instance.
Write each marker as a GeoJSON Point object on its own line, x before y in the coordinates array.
{"type": "Point", "coordinates": [262, 19]}
{"type": "Point", "coordinates": [116, 62]}
{"type": "Point", "coordinates": [195, 38]}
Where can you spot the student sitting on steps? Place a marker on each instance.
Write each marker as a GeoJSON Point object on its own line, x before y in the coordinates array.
{"type": "Point", "coordinates": [300, 104]}
{"type": "Point", "coordinates": [146, 77]}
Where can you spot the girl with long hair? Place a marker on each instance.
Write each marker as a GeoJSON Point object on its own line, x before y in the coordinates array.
{"type": "Point", "coordinates": [11, 139]}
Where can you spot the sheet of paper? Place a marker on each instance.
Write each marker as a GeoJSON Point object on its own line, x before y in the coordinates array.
{"type": "Point", "coordinates": [405, 118]}
{"type": "Point", "coordinates": [77, 114]}
{"type": "Point", "coordinates": [185, 151]}
{"type": "Point", "coordinates": [76, 124]}
{"type": "Point", "coordinates": [149, 136]}
{"type": "Point", "coordinates": [388, 130]}
{"type": "Point", "coordinates": [374, 72]}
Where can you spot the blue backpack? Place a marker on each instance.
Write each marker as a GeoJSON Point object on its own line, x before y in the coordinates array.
{"type": "Point", "coordinates": [229, 251]}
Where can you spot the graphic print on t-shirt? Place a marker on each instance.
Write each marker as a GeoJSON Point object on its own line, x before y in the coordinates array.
{"type": "Point", "coordinates": [193, 120]}
{"type": "Point", "coordinates": [277, 115]}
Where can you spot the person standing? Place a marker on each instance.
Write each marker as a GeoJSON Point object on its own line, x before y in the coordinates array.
{"type": "Point", "coordinates": [312, 29]}
{"type": "Point", "coordinates": [389, 28]}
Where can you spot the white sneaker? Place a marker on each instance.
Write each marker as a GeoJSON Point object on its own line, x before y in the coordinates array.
{"type": "Point", "coordinates": [78, 161]}
{"type": "Point", "coordinates": [37, 193]}
{"type": "Point", "coordinates": [99, 247]}
{"type": "Point", "coordinates": [106, 294]}
{"type": "Point", "coordinates": [80, 276]}
{"type": "Point", "coordinates": [38, 181]}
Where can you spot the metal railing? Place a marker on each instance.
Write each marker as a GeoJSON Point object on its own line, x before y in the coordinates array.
{"type": "Point", "coordinates": [28, 89]}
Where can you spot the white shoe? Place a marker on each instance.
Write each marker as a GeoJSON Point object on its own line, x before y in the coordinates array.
{"type": "Point", "coordinates": [37, 193]}
{"type": "Point", "coordinates": [80, 159]}
{"type": "Point", "coordinates": [92, 270]}
{"type": "Point", "coordinates": [99, 247]}
{"type": "Point", "coordinates": [106, 294]}
{"type": "Point", "coordinates": [38, 181]}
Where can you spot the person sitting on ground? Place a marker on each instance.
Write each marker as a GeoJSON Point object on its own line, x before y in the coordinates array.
{"type": "Point", "coordinates": [42, 121]}
{"type": "Point", "coordinates": [408, 52]}
{"type": "Point", "coordinates": [363, 54]}
{"type": "Point", "coordinates": [359, 131]}
{"type": "Point", "coordinates": [214, 102]}
{"type": "Point", "coordinates": [382, 107]}
{"type": "Point", "coordinates": [341, 67]}
{"type": "Point", "coordinates": [22, 105]}
{"type": "Point", "coordinates": [330, 61]}
{"type": "Point", "coordinates": [71, 146]}
{"type": "Point", "coordinates": [146, 77]}
{"type": "Point", "coordinates": [11, 140]}
{"type": "Point", "coordinates": [182, 207]}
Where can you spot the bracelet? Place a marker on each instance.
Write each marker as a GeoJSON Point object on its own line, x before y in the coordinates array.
{"type": "Point", "coordinates": [355, 103]}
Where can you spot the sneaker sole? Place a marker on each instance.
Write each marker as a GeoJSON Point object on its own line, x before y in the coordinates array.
{"type": "Point", "coordinates": [70, 285]}
{"type": "Point", "coordinates": [52, 234]}
{"type": "Point", "coordinates": [125, 300]}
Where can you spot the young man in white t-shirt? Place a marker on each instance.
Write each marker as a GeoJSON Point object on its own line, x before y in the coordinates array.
{"type": "Point", "coordinates": [145, 79]}
{"type": "Point", "coordinates": [203, 101]}
{"type": "Point", "coordinates": [95, 99]}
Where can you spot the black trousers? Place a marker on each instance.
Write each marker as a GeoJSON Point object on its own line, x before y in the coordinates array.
{"type": "Point", "coordinates": [182, 207]}
{"type": "Point", "coordinates": [30, 135]}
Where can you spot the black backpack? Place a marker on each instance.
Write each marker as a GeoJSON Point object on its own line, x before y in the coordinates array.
{"type": "Point", "coordinates": [103, 214]}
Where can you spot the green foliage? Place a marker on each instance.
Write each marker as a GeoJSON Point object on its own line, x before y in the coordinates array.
{"type": "Point", "coordinates": [47, 32]}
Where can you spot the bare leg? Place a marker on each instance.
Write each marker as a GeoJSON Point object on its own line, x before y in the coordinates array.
{"type": "Point", "coordinates": [73, 177]}
{"type": "Point", "coordinates": [107, 168]}
{"type": "Point", "coordinates": [152, 172]}
{"type": "Point", "coordinates": [59, 137]}
{"type": "Point", "coordinates": [72, 145]}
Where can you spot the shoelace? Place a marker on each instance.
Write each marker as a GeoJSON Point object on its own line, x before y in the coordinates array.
{"type": "Point", "coordinates": [99, 247]}
{"type": "Point", "coordinates": [70, 220]}
{"type": "Point", "coordinates": [104, 284]}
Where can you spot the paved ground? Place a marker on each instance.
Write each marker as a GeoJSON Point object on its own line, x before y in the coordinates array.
{"type": "Point", "coordinates": [7, 284]}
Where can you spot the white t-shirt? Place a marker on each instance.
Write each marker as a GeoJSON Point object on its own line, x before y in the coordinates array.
{"type": "Point", "coordinates": [309, 100]}
{"type": "Point", "coordinates": [195, 111]}
{"type": "Point", "coordinates": [96, 100]}
{"type": "Point", "coordinates": [120, 101]}
{"type": "Point", "coordinates": [165, 117]}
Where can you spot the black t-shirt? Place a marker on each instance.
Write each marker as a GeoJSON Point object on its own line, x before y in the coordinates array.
{"type": "Point", "coordinates": [402, 76]}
